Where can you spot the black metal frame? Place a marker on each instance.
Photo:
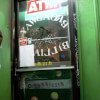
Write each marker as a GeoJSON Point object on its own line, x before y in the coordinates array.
{"type": "Point", "coordinates": [15, 90]}
{"type": "Point", "coordinates": [73, 30]}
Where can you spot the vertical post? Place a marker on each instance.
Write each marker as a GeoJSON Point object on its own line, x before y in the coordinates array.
{"type": "Point", "coordinates": [88, 49]}
{"type": "Point", "coordinates": [5, 50]}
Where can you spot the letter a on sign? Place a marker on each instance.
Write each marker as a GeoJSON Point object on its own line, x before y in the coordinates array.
{"type": "Point", "coordinates": [32, 7]}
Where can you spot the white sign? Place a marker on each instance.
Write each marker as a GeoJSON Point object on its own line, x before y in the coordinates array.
{"type": "Point", "coordinates": [47, 84]}
{"type": "Point", "coordinates": [27, 56]}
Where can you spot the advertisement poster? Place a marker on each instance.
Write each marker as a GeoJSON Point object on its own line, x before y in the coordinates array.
{"type": "Point", "coordinates": [46, 85]}
{"type": "Point", "coordinates": [45, 24]}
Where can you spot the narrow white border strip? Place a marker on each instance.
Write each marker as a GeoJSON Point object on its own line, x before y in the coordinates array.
{"type": "Point", "coordinates": [37, 69]}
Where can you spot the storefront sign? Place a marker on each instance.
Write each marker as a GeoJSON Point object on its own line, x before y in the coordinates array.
{"type": "Point", "coordinates": [56, 50]}
{"type": "Point", "coordinates": [41, 5]}
{"type": "Point", "coordinates": [59, 18]}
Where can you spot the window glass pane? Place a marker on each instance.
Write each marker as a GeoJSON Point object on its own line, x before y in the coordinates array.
{"type": "Point", "coordinates": [44, 36]}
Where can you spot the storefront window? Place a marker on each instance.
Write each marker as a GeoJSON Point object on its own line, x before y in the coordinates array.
{"type": "Point", "coordinates": [44, 36]}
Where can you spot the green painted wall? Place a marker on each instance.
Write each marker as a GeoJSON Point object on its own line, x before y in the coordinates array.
{"type": "Point", "coordinates": [5, 60]}
{"type": "Point", "coordinates": [89, 62]}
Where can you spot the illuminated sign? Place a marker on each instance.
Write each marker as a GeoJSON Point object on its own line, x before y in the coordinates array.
{"type": "Point", "coordinates": [63, 46]}
{"type": "Point", "coordinates": [41, 5]}
{"type": "Point", "coordinates": [59, 18]}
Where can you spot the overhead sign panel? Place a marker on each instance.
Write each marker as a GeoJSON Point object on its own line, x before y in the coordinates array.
{"type": "Point", "coordinates": [41, 5]}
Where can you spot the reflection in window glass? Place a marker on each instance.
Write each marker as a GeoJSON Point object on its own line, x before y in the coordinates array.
{"type": "Point", "coordinates": [45, 24]}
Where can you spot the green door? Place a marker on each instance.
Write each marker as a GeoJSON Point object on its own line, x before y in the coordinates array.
{"type": "Point", "coordinates": [88, 49]}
